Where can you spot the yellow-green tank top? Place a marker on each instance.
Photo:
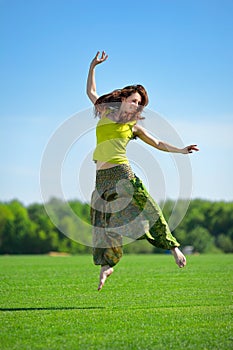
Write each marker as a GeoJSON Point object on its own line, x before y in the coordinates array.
{"type": "Point", "coordinates": [112, 138]}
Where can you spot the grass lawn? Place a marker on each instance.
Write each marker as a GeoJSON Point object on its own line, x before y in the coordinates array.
{"type": "Point", "coordinates": [148, 303]}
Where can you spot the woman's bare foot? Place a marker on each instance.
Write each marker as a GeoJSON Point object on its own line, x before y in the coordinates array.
{"type": "Point", "coordinates": [105, 272]}
{"type": "Point", "coordinates": [179, 257]}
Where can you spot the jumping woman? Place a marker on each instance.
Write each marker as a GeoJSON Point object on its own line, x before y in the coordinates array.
{"type": "Point", "coordinates": [120, 204]}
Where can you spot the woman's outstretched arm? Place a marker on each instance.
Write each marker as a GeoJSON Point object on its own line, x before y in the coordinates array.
{"type": "Point", "coordinates": [91, 85]}
{"type": "Point", "coordinates": [145, 136]}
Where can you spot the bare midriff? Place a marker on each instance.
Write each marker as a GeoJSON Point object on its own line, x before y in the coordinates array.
{"type": "Point", "coordinates": [104, 165]}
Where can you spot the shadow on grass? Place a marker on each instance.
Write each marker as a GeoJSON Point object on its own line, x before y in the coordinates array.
{"type": "Point", "coordinates": [51, 308]}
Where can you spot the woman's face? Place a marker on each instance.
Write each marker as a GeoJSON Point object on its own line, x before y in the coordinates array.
{"type": "Point", "coordinates": [131, 103]}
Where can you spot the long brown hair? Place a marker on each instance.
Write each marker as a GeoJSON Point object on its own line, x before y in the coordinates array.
{"type": "Point", "coordinates": [113, 100]}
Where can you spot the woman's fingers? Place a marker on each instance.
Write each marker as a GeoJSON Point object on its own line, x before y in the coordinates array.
{"type": "Point", "coordinates": [102, 58]}
{"type": "Point", "coordinates": [96, 56]}
{"type": "Point", "coordinates": [189, 149]}
{"type": "Point", "coordinates": [192, 148]}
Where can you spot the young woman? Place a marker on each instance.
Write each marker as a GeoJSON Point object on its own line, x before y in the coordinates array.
{"type": "Point", "coordinates": [120, 204]}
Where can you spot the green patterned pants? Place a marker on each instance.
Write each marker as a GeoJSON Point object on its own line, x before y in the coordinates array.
{"type": "Point", "coordinates": [121, 206]}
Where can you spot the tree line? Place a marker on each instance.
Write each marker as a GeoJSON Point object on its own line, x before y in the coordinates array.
{"type": "Point", "coordinates": [207, 226]}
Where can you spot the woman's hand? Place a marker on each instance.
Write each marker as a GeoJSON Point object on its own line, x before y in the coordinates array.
{"type": "Point", "coordinates": [189, 149]}
{"type": "Point", "coordinates": [97, 60]}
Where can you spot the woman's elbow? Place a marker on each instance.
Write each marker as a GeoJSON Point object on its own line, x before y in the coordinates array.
{"type": "Point", "coordinates": [92, 97]}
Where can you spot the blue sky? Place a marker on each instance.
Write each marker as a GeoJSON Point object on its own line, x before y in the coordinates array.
{"type": "Point", "coordinates": [181, 51]}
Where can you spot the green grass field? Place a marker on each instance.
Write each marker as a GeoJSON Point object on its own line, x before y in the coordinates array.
{"type": "Point", "coordinates": [148, 303]}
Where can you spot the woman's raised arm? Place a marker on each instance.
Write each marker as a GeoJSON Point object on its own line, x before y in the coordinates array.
{"type": "Point", "coordinates": [91, 85]}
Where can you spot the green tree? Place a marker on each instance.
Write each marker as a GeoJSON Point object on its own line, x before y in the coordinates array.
{"type": "Point", "coordinates": [23, 240]}
{"type": "Point", "coordinates": [7, 236]}
{"type": "Point", "coordinates": [47, 236]}
{"type": "Point", "coordinates": [200, 239]}
{"type": "Point", "coordinates": [225, 243]}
